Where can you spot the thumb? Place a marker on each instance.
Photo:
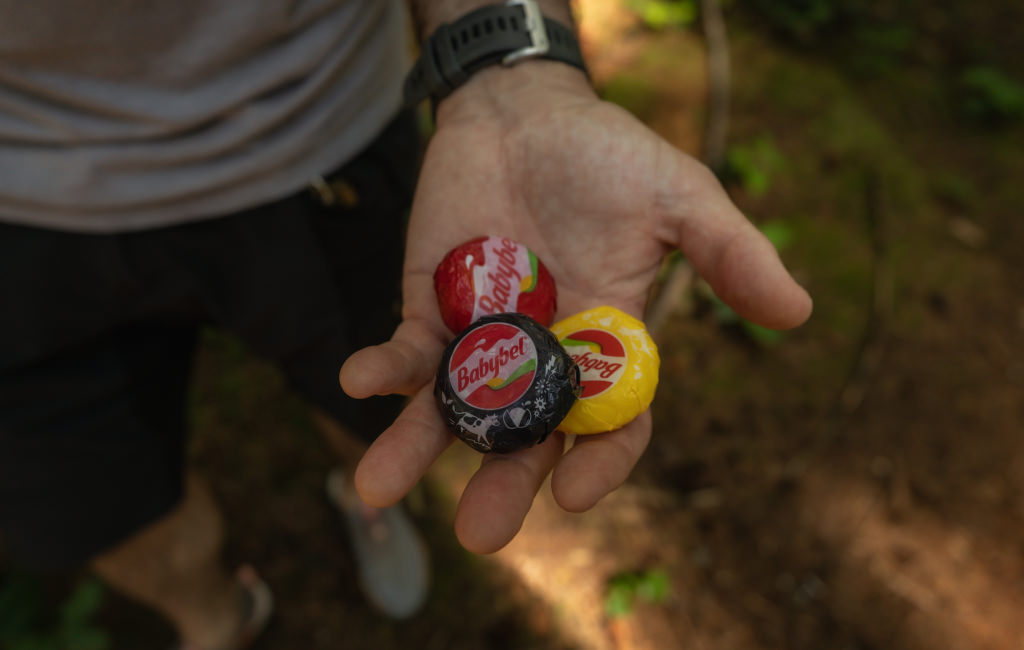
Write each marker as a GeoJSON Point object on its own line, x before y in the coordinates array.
{"type": "Point", "coordinates": [735, 258]}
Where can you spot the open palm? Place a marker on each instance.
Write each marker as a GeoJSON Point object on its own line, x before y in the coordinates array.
{"type": "Point", "coordinates": [600, 199]}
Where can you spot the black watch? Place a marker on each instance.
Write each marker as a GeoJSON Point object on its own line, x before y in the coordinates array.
{"type": "Point", "coordinates": [504, 34]}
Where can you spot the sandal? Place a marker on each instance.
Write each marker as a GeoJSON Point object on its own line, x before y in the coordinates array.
{"type": "Point", "coordinates": [258, 605]}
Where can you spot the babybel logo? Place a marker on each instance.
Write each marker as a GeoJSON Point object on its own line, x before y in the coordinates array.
{"type": "Point", "coordinates": [600, 356]}
{"type": "Point", "coordinates": [597, 365]}
{"type": "Point", "coordinates": [499, 280]}
{"type": "Point", "coordinates": [493, 366]}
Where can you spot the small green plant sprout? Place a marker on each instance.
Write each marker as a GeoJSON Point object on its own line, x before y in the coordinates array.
{"type": "Point", "coordinates": [752, 164]}
{"type": "Point", "coordinates": [662, 14]}
{"type": "Point", "coordinates": [990, 96]}
{"type": "Point", "coordinates": [625, 589]}
{"type": "Point", "coordinates": [27, 623]}
{"type": "Point", "coordinates": [780, 234]}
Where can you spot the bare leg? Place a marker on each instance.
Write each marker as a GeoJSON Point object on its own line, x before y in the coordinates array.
{"type": "Point", "coordinates": [174, 567]}
{"type": "Point", "coordinates": [348, 448]}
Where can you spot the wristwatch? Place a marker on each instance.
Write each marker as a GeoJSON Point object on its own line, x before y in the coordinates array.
{"type": "Point", "coordinates": [506, 34]}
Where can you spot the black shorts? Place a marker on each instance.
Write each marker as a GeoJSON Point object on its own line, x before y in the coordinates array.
{"type": "Point", "coordinates": [98, 333]}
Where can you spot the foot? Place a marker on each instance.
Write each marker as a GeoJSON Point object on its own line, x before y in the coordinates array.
{"type": "Point", "coordinates": [391, 556]}
{"type": "Point", "coordinates": [257, 604]}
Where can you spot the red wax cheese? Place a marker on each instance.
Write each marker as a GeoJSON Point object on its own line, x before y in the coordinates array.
{"type": "Point", "coordinates": [493, 275]}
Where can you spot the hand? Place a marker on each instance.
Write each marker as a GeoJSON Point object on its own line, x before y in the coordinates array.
{"type": "Point", "coordinates": [530, 153]}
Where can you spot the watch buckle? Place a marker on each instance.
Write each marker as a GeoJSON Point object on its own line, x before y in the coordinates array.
{"type": "Point", "coordinates": [539, 43]}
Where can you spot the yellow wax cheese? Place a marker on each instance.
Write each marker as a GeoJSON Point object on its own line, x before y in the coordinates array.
{"type": "Point", "coordinates": [618, 368]}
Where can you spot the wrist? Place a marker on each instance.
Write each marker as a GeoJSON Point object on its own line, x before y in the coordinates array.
{"type": "Point", "coordinates": [505, 35]}
{"type": "Point", "coordinates": [500, 91]}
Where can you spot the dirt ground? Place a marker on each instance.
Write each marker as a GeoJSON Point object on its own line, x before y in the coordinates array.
{"type": "Point", "coordinates": [857, 484]}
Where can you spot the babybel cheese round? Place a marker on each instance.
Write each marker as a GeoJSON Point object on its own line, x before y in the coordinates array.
{"type": "Point", "coordinates": [618, 364]}
{"type": "Point", "coordinates": [492, 275]}
{"type": "Point", "coordinates": [505, 383]}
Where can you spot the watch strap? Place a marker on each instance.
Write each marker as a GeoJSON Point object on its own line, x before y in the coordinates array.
{"type": "Point", "coordinates": [487, 36]}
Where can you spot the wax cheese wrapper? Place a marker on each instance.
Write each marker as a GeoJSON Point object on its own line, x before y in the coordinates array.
{"type": "Point", "coordinates": [505, 383]}
{"type": "Point", "coordinates": [618, 364]}
{"type": "Point", "coordinates": [493, 275]}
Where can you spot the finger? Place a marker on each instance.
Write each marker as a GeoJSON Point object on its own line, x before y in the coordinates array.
{"type": "Point", "coordinates": [599, 463]}
{"type": "Point", "coordinates": [402, 365]}
{"type": "Point", "coordinates": [400, 456]}
{"type": "Point", "coordinates": [497, 498]}
{"type": "Point", "coordinates": [736, 259]}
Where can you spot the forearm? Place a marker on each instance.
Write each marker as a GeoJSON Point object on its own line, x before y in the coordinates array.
{"type": "Point", "coordinates": [429, 14]}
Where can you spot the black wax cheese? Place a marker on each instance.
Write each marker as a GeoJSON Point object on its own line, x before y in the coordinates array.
{"type": "Point", "coordinates": [505, 383]}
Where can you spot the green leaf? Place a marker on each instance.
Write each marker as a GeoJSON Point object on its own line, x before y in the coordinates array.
{"type": "Point", "coordinates": [83, 603]}
{"type": "Point", "coordinates": [625, 588]}
{"type": "Point", "coordinates": [753, 164]}
{"type": "Point", "coordinates": [991, 95]}
{"type": "Point", "coordinates": [27, 623]}
{"type": "Point", "coordinates": [653, 586]}
{"type": "Point", "coordinates": [780, 234]}
{"type": "Point", "coordinates": [757, 181]}
{"type": "Point", "coordinates": [763, 335]}
{"type": "Point", "coordinates": [662, 14]}
{"type": "Point", "coordinates": [726, 315]}
{"type": "Point", "coordinates": [618, 601]}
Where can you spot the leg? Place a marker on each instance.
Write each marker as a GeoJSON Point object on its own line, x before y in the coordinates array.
{"type": "Point", "coordinates": [314, 283]}
{"type": "Point", "coordinates": [391, 555]}
{"type": "Point", "coordinates": [91, 447]}
{"type": "Point", "coordinates": [347, 446]}
{"type": "Point", "coordinates": [174, 567]}
{"type": "Point", "coordinates": [349, 449]}
{"type": "Point", "coordinates": [93, 374]}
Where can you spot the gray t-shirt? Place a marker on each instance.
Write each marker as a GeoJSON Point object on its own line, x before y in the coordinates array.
{"type": "Point", "coordinates": [120, 115]}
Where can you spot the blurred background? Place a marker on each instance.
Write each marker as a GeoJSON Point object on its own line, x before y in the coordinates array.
{"type": "Point", "coordinates": [855, 484]}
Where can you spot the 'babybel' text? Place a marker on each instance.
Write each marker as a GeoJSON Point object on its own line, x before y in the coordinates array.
{"type": "Point", "coordinates": [488, 367]}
